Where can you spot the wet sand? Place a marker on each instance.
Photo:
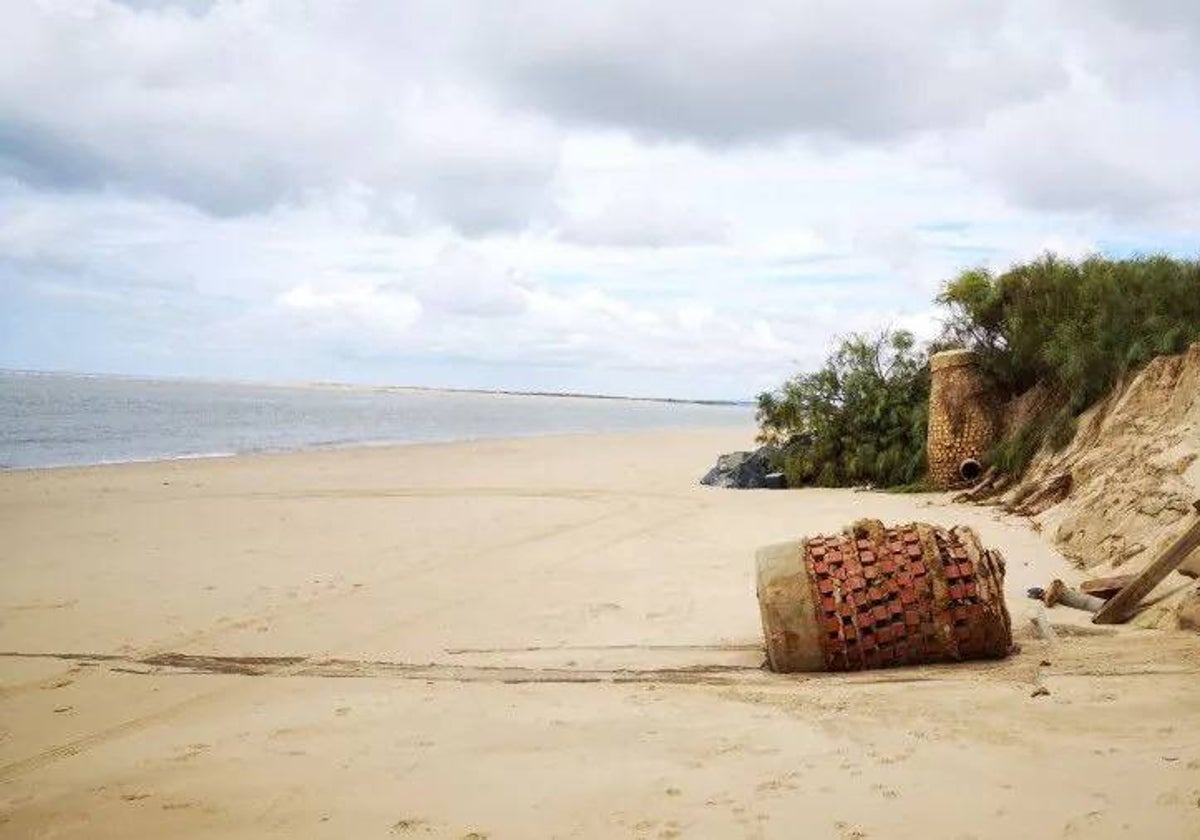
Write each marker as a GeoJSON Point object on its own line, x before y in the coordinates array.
{"type": "Point", "coordinates": [550, 637]}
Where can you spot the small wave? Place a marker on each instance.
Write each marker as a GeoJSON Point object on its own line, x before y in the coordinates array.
{"type": "Point", "coordinates": [150, 459]}
{"type": "Point", "coordinates": [194, 456]}
{"type": "Point", "coordinates": [109, 462]}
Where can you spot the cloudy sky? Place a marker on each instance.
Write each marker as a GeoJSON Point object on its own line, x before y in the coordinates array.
{"type": "Point", "coordinates": [683, 198]}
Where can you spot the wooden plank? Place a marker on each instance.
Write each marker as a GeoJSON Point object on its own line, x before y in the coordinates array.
{"type": "Point", "coordinates": [1106, 587]}
{"type": "Point", "coordinates": [1118, 608]}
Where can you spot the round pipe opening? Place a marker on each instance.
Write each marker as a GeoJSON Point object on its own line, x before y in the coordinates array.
{"type": "Point", "coordinates": [970, 470]}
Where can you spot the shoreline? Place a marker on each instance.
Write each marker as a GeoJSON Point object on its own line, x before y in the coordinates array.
{"type": "Point", "coordinates": [370, 445]}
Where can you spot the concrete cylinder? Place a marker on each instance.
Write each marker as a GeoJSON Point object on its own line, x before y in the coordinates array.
{"type": "Point", "coordinates": [962, 422]}
{"type": "Point", "coordinates": [876, 596]}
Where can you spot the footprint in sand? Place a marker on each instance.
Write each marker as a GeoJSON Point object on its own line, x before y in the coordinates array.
{"type": "Point", "coordinates": [179, 806]}
{"type": "Point", "coordinates": [189, 752]}
{"type": "Point", "coordinates": [1078, 827]}
{"type": "Point", "coordinates": [599, 609]}
{"type": "Point", "coordinates": [410, 825]}
{"type": "Point", "coordinates": [776, 785]}
{"type": "Point", "coordinates": [44, 605]}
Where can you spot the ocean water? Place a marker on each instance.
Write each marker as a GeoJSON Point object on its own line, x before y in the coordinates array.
{"type": "Point", "coordinates": [63, 419]}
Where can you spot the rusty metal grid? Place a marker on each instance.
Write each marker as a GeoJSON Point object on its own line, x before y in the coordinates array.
{"type": "Point", "coordinates": [884, 602]}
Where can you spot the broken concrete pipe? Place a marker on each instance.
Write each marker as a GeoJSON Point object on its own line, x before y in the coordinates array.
{"type": "Point", "coordinates": [876, 596]}
{"type": "Point", "coordinates": [962, 424]}
{"type": "Point", "coordinates": [970, 470]}
{"type": "Point", "coordinates": [1059, 593]}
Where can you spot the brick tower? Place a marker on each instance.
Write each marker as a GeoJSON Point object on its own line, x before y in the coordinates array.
{"type": "Point", "coordinates": [962, 424]}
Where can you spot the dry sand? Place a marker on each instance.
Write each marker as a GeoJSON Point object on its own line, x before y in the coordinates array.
{"type": "Point", "coordinates": [519, 639]}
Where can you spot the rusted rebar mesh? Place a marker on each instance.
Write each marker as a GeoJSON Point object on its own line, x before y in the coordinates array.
{"type": "Point", "coordinates": [877, 596]}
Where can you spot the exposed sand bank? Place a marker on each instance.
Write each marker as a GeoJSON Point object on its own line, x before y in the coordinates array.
{"type": "Point", "coordinates": [530, 638]}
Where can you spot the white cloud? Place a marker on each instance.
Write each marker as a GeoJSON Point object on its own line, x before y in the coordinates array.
{"type": "Point", "coordinates": [396, 311]}
{"type": "Point", "coordinates": [460, 282]}
{"type": "Point", "coordinates": [683, 198]}
{"type": "Point", "coordinates": [256, 104]}
{"type": "Point", "coordinates": [644, 222]}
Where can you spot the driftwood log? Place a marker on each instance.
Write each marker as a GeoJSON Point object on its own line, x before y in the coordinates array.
{"type": "Point", "coordinates": [1120, 606]}
{"type": "Point", "coordinates": [1106, 587]}
{"type": "Point", "coordinates": [1038, 497]}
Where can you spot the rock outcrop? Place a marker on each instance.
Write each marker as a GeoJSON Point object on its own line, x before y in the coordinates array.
{"type": "Point", "coordinates": [746, 470]}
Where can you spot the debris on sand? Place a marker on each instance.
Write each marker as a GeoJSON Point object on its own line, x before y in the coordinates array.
{"type": "Point", "coordinates": [876, 596]}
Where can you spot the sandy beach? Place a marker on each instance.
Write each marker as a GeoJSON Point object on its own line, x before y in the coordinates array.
{"type": "Point", "coordinates": [552, 637]}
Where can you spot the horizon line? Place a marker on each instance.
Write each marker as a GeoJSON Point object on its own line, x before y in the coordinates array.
{"type": "Point", "coordinates": [331, 384]}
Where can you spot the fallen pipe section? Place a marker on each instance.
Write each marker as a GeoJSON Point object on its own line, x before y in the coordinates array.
{"type": "Point", "coordinates": [876, 596]}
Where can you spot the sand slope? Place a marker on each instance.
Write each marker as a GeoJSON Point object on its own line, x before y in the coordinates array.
{"type": "Point", "coordinates": [537, 638]}
{"type": "Point", "coordinates": [1134, 465]}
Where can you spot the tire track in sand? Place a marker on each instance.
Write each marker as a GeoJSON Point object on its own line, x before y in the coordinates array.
{"type": "Point", "coordinates": [81, 745]}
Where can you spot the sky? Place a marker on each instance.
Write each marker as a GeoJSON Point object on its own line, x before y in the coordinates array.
{"type": "Point", "coordinates": [677, 198]}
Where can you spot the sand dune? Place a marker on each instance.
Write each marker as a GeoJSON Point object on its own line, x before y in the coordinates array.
{"type": "Point", "coordinates": [553, 637]}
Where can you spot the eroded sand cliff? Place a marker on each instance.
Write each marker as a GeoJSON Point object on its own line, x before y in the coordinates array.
{"type": "Point", "coordinates": [1134, 472]}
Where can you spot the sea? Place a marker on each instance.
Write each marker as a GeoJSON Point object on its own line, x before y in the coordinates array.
{"type": "Point", "coordinates": [58, 419]}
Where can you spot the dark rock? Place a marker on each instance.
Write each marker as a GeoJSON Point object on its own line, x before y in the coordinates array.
{"type": "Point", "coordinates": [746, 470]}
{"type": "Point", "coordinates": [775, 481]}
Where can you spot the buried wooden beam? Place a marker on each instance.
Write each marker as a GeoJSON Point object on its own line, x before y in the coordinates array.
{"type": "Point", "coordinates": [1120, 606]}
{"type": "Point", "coordinates": [1106, 587]}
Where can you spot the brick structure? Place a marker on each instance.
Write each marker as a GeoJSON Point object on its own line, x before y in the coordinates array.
{"type": "Point", "coordinates": [962, 421]}
{"type": "Point", "coordinates": [876, 596]}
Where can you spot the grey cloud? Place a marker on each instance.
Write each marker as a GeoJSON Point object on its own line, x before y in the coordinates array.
{"type": "Point", "coordinates": [480, 197]}
{"type": "Point", "coordinates": [1124, 181]}
{"type": "Point", "coordinates": [1120, 137]}
{"type": "Point", "coordinates": [1075, 106]}
{"type": "Point", "coordinates": [454, 113]}
{"type": "Point", "coordinates": [723, 73]}
{"type": "Point", "coordinates": [40, 157]}
{"type": "Point", "coordinates": [1177, 16]}
{"type": "Point", "coordinates": [250, 106]}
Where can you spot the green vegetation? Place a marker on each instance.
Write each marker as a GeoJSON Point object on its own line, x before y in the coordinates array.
{"type": "Point", "coordinates": [1072, 329]}
{"type": "Point", "coordinates": [860, 419]}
